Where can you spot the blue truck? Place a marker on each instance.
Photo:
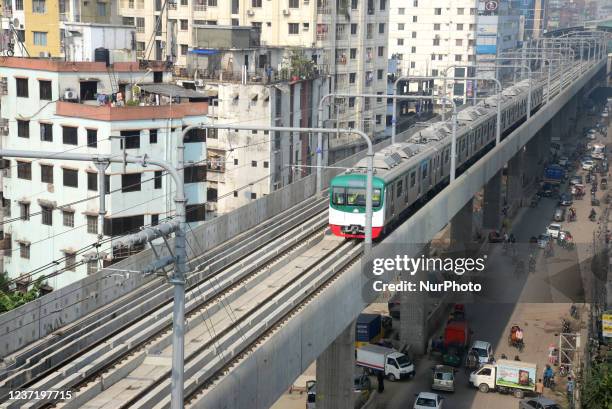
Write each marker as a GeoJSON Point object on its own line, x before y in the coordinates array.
{"type": "Point", "coordinates": [368, 329]}
{"type": "Point", "coordinates": [554, 174]}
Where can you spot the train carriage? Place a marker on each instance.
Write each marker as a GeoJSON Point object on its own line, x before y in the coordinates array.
{"type": "Point", "coordinates": [406, 174]}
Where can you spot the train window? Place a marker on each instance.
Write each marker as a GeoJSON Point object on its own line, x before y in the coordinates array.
{"type": "Point", "coordinates": [355, 196]}
{"type": "Point", "coordinates": [446, 156]}
{"type": "Point", "coordinates": [412, 179]}
{"type": "Point", "coordinates": [338, 196]}
{"type": "Point", "coordinates": [398, 189]}
{"type": "Point", "coordinates": [424, 171]}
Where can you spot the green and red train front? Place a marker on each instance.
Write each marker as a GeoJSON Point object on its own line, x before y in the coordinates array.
{"type": "Point", "coordinates": [347, 199]}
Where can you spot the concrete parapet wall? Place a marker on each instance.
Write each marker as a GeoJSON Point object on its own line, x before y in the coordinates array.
{"type": "Point", "coordinates": [269, 370]}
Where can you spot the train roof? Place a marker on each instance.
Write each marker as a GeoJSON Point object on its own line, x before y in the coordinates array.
{"type": "Point", "coordinates": [387, 161]}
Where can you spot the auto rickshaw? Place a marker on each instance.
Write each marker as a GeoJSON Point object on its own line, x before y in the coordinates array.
{"type": "Point", "coordinates": [452, 356]}
{"type": "Point", "coordinates": [594, 200]}
{"type": "Point", "coordinates": [515, 339]}
{"type": "Point", "coordinates": [578, 191]}
{"type": "Point", "coordinates": [604, 183]}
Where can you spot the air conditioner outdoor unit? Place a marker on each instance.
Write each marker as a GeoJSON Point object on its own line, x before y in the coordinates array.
{"type": "Point", "coordinates": [286, 12]}
{"type": "Point", "coordinates": [250, 12]}
{"type": "Point", "coordinates": [70, 94]}
{"type": "Point", "coordinates": [199, 83]}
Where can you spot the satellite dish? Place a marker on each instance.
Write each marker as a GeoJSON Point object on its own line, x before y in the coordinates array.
{"type": "Point", "coordinates": [16, 22]}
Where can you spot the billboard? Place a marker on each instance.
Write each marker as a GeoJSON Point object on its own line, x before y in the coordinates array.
{"type": "Point", "coordinates": [606, 324]}
{"type": "Point", "coordinates": [486, 49]}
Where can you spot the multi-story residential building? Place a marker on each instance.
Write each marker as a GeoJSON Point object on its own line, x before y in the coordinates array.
{"type": "Point", "coordinates": [231, 63]}
{"type": "Point", "coordinates": [532, 17]}
{"type": "Point", "coordinates": [56, 106]}
{"type": "Point", "coordinates": [426, 37]}
{"type": "Point", "coordinates": [351, 33]}
{"type": "Point", "coordinates": [39, 24]}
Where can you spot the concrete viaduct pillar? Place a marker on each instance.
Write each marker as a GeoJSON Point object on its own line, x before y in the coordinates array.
{"type": "Point", "coordinates": [413, 320]}
{"type": "Point", "coordinates": [335, 372]}
{"type": "Point", "coordinates": [461, 231]}
{"type": "Point", "coordinates": [514, 183]}
{"type": "Point", "coordinates": [492, 207]}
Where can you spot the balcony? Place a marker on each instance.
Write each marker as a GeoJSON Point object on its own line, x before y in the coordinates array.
{"type": "Point", "coordinates": [130, 113]}
{"type": "Point", "coordinates": [322, 30]}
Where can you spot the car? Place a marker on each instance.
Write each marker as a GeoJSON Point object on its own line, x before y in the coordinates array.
{"type": "Point", "coordinates": [559, 214]}
{"type": "Point", "coordinates": [427, 400]}
{"type": "Point", "coordinates": [591, 136]}
{"type": "Point", "coordinates": [495, 237]}
{"type": "Point", "coordinates": [484, 351]}
{"type": "Point", "coordinates": [443, 378]}
{"type": "Point", "coordinates": [543, 240]}
{"type": "Point", "coordinates": [553, 230]}
{"type": "Point", "coordinates": [604, 114]}
{"type": "Point", "coordinates": [563, 161]}
{"type": "Point", "coordinates": [538, 403]}
{"type": "Point", "coordinates": [576, 180]}
{"type": "Point", "coordinates": [565, 199]}
{"type": "Point", "coordinates": [546, 190]}
{"type": "Point", "coordinates": [588, 165]}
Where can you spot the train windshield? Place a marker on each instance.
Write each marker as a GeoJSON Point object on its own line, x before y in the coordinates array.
{"type": "Point", "coordinates": [342, 196]}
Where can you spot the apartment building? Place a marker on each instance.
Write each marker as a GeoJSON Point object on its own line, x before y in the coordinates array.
{"type": "Point", "coordinates": [532, 17]}
{"type": "Point", "coordinates": [38, 25]}
{"type": "Point", "coordinates": [55, 106]}
{"type": "Point", "coordinates": [230, 62]}
{"type": "Point", "coordinates": [427, 37]}
{"type": "Point", "coordinates": [352, 35]}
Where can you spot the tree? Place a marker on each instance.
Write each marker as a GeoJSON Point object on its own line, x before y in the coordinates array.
{"type": "Point", "coordinates": [10, 300]}
{"type": "Point", "coordinates": [597, 387]}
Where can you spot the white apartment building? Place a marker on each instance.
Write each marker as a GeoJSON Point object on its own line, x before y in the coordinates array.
{"type": "Point", "coordinates": [57, 106]}
{"type": "Point", "coordinates": [426, 37]}
{"type": "Point", "coordinates": [352, 35]}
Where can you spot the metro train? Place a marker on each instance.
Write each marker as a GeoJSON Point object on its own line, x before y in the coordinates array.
{"type": "Point", "coordinates": [410, 173]}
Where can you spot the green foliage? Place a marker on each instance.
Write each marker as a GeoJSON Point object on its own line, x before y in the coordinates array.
{"type": "Point", "coordinates": [597, 387]}
{"type": "Point", "coordinates": [10, 300]}
{"type": "Point", "coordinates": [297, 64]}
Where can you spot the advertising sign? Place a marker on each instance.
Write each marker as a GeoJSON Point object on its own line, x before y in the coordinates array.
{"type": "Point", "coordinates": [516, 376]}
{"type": "Point", "coordinates": [606, 324]}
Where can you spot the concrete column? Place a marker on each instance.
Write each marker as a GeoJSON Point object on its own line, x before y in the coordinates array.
{"type": "Point", "coordinates": [514, 188]}
{"type": "Point", "coordinates": [461, 232]}
{"type": "Point", "coordinates": [335, 372]}
{"type": "Point", "coordinates": [492, 206]}
{"type": "Point", "coordinates": [413, 321]}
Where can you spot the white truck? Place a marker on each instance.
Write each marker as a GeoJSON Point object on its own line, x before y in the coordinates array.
{"type": "Point", "coordinates": [377, 358]}
{"type": "Point", "coordinates": [505, 376]}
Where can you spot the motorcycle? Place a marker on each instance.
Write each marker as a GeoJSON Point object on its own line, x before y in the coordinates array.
{"type": "Point", "coordinates": [593, 216]}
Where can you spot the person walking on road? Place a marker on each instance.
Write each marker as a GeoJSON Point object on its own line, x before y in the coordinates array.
{"type": "Point", "coordinates": [570, 388]}
{"type": "Point", "coordinates": [380, 377]}
{"type": "Point", "coordinates": [548, 374]}
{"type": "Point", "coordinates": [539, 387]}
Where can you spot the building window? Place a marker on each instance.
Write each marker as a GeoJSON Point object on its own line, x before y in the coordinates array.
{"type": "Point", "coordinates": [353, 29]}
{"type": "Point", "coordinates": [400, 41]}
{"type": "Point", "coordinates": [92, 181]}
{"type": "Point", "coordinates": [70, 135]}
{"type": "Point", "coordinates": [157, 182]}
{"type": "Point", "coordinates": [24, 170]}
{"type": "Point", "coordinates": [383, 4]}
{"type": "Point", "coordinates": [401, 11]}
{"type": "Point", "coordinates": [47, 215]}
{"type": "Point", "coordinates": [40, 38]}
{"type": "Point", "coordinates": [18, 4]}
{"type": "Point", "coordinates": [71, 261]}
{"type": "Point", "coordinates": [195, 174]}
{"type": "Point", "coordinates": [400, 26]}
{"type": "Point", "coordinates": [294, 4]}
{"type": "Point", "coordinates": [266, 165]}
{"type": "Point", "coordinates": [436, 41]}
{"type": "Point", "coordinates": [413, 50]}
{"type": "Point", "coordinates": [414, 19]}
{"type": "Point", "coordinates": [379, 74]}
{"type": "Point", "coordinates": [140, 24]}
{"type": "Point", "coordinates": [101, 9]}
{"type": "Point", "coordinates": [195, 213]}
{"type": "Point", "coordinates": [353, 53]}
{"type": "Point", "coordinates": [471, 58]}
{"type": "Point", "coordinates": [23, 128]}
{"type": "Point", "coordinates": [381, 51]}
{"type": "Point", "coordinates": [351, 102]}
{"type": "Point", "coordinates": [414, 34]}
{"type": "Point", "coordinates": [436, 27]}
{"type": "Point", "coordinates": [46, 173]}
{"type": "Point", "coordinates": [24, 210]}
{"type": "Point", "coordinates": [415, 3]}
{"type": "Point", "coordinates": [152, 136]}
{"type": "Point", "coordinates": [440, 56]}
{"type": "Point", "coordinates": [255, 3]}
{"type": "Point", "coordinates": [412, 64]}
{"type": "Point", "coordinates": [253, 195]}
{"type": "Point", "coordinates": [130, 182]}
{"type": "Point", "coordinates": [92, 138]}
{"type": "Point", "coordinates": [22, 87]}
{"type": "Point", "coordinates": [46, 132]}
{"type": "Point", "coordinates": [44, 89]}
{"type": "Point", "coordinates": [131, 139]}
{"type": "Point", "coordinates": [354, 4]}
{"type": "Point", "coordinates": [235, 162]}
{"type": "Point", "coordinates": [155, 218]}
{"type": "Point", "coordinates": [460, 11]}
{"type": "Point", "coordinates": [92, 266]}
{"type": "Point", "coordinates": [381, 28]}
{"type": "Point", "coordinates": [459, 27]}
{"type": "Point", "coordinates": [68, 218]}
{"type": "Point", "coordinates": [71, 177]}
{"type": "Point", "coordinates": [39, 6]}
{"type": "Point", "coordinates": [184, 49]}
{"type": "Point", "coordinates": [24, 250]}
{"type": "Point", "coordinates": [352, 77]}
{"type": "Point", "coordinates": [92, 224]}
{"type": "Point", "coordinates": [294, 28]}
{"type": "Point", "coordinates": [184, 25]}
{"type": "Point", "coordinates": [434, 73]}
{"type": "Point", "coordinates": [128, 21]}
{"type": "Point", "coordinates": [253, 163]}
{"type": "Point", "coordinates": [457, 57]}
{"type": "Point", "coordinates": [438, 11]}
{"type": "Point", "coordinates": [458, 42]}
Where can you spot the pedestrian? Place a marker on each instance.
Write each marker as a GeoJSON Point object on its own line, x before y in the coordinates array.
{"type": "Point", "coordinates": [539, 387]}
{"type": "Point", "coordinates": [548, 374]}
{"type": "Point", "coordinates": [570, 388]}
{"type": "Point", "coordinates": [380, 377]}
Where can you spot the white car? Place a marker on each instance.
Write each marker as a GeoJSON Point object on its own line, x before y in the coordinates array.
{"type": "Point", "coordinates": [604, 114]}
{"type": "Point", "coordinates": [553, 230]}
{"type": "Point", "coordinates": [428, 400]}
{"type": "Point", "coordinates": [588, 165]}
